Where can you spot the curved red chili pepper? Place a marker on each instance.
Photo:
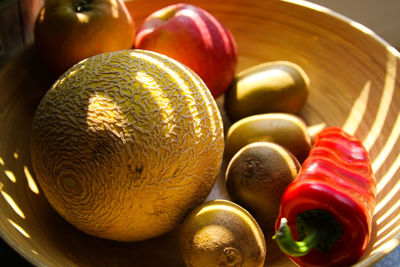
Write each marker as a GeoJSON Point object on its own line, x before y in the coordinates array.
{"type": "Point", "coordinates": [330, 204]}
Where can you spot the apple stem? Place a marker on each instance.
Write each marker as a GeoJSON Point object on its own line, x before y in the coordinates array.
{"type": "Point", "coordinates": [81, 6]}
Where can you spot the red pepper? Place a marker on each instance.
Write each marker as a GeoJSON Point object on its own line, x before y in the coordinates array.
{"type": "Point", "coordinates": [329, 206]}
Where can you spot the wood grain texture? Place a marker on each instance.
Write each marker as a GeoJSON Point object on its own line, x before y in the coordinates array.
{"type": "Point", "coordinates": [354, 84]}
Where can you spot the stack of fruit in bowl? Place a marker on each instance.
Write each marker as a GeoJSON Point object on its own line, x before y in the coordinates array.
{"type": "Point", "coordinates": [129, 140]}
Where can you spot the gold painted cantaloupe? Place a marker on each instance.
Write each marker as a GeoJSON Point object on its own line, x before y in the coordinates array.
{"type": "Point", "coordinates": [126, 143]}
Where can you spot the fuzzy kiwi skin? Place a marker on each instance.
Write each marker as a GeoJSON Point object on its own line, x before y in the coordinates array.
{"type": "Point", "coordinates": [256, 178]}
{"type": "Point", "coordinates": [277, 86]}
{"type": "Point", "coordinates": [220, 233]}
{"type": "Point", "coordinates": [285, 129]}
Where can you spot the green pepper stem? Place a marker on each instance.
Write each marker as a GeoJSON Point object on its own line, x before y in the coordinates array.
{"type": "Point", "coordinates": [294, 248]}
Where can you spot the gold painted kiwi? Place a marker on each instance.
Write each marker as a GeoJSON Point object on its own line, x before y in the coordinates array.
{"type": "Point", "coordinates": [285, 129]}
{"type": "Point", "coordinates": [277, 86]}
{"type": "Point", "coordinates": [256, 178]}
{"type": "Point", "coordinates": [220, 233]}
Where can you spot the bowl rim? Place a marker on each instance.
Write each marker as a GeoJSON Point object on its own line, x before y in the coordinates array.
{"type": "Point", "coordinates": [376, 257]}
{"type": "Point", "coordinates": [346, 19]}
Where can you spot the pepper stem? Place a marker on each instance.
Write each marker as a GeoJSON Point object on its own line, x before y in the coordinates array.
{"type": "Point", "coordinates": [294, 248]}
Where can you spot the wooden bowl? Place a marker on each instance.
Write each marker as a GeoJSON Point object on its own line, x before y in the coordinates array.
{"type": "Point", "coordinates": [354, 84]}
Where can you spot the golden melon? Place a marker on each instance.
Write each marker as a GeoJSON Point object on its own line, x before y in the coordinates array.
{"type": "Point", "coordinates": [125, 143]}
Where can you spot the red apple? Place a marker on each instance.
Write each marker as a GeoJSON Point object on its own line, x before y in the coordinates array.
{"type": "Point", "coordinates": [195, 38]}
{"type": "Point", "coordinates": [68, 31]}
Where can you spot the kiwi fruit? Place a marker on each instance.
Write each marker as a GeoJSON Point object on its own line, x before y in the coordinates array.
{"type": "Point", "coordinates": [256, 178]}
{"type": "Point", "coordinates": [220, 233]}
{"type": "Point", "coordinates": [276, 86]}
{"type": "Point", "coordinates": [285, 129]}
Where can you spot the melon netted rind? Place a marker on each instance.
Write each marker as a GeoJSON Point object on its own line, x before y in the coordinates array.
{"type": "Point", "coordinates": [125, 143]}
